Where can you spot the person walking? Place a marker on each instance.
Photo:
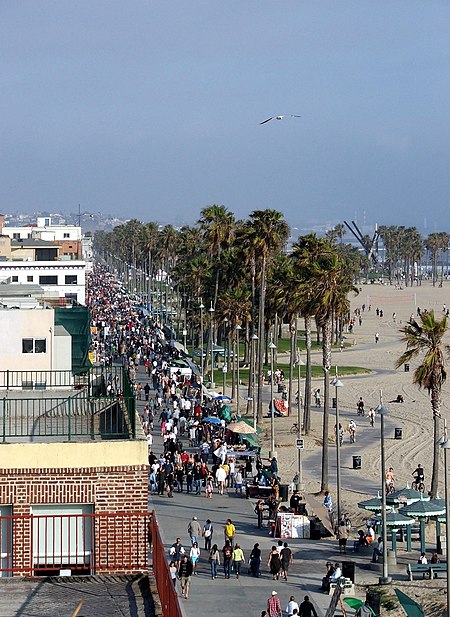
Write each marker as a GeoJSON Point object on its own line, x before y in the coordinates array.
{"type": "Point", "coordinates": [214, 560]}
{"type": "Point", "coordinates": [227, 553]}
{"type": "Point", "coordinates": [259, 511]}
{"type": "Point", "coordinates": [194, 556]}
{"type": "Point", "coordinates": [377, 337]}
{"type": "Point", "coordinates": [194, 530]}
{"type": "Point", "coordinates": [254, 561]}
{"type": "Point", "coordinates": [238, 559]}
{"type": "Point", "coordinates": [274, 605]}
{"type": "Point", "coordinates": [185, 574]}
{"type": "Point", "coordinates": [306, 608]}
{"type": "Point", "coordinates": [286, 560]}
{"type": "Point", "coordinates": [208, 531]}
{"type": "Point", "coordinates": [274, 563]}
{"type": "Point", "coordinates": [342, 534]}
{"type": "Point", "coordinates": [292, 606]}
{"type": "Point", "coordinates": [229, 531]}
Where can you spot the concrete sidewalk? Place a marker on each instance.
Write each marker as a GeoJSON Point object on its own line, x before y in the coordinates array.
{"type": "Point", "coordinates": [246, 595]}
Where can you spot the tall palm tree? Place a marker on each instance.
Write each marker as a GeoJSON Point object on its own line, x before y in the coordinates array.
{"type": "Point", "coordinates": [425, 338]}
{"type": "Point", "coordinates": [267, 233]}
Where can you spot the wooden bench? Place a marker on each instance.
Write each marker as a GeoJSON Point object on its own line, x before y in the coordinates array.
{"type": "Point", "coordinates": [428, 570]}
{"type": "Point", "coordinates": [348, 588]}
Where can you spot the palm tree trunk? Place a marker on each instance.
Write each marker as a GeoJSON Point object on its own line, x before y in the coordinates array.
{"type": "Point", "coordinates": [260, 363]}
{"type": "Point", "coordinates": [293, 341]}
{"type": "Point", "coordinates": [307, 411]}
{"type": "Point", "coordinates": [326, 364]}
{"type": "Point", "coordinates": [436, 406]}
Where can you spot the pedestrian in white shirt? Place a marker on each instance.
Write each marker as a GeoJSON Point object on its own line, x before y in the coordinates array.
{"type": "Point", "coordinates": [292, 604]}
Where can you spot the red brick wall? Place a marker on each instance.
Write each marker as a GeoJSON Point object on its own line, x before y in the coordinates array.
{"type": "Point", "coordinates": [109, 489]}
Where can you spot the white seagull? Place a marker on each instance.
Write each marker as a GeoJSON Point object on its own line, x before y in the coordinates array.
{"type": "Point", "coordinates": [279, 118]}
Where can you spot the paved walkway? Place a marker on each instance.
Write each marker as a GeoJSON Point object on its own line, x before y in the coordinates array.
{"type": "Point", "coordinates": [246, 596]}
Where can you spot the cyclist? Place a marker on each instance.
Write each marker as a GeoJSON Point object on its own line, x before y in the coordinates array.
{"type": "Point", "coordinates": [352, 430]}
{"type": "Point", "coordinates": [360, 406]}
{"type": "Point", "coordinates": [419, 477]}
{"type": "Point", "coordinates": [390, 480]}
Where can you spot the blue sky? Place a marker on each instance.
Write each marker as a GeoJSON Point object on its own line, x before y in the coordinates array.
{"type": "Point", "coordinates": [152, 109]}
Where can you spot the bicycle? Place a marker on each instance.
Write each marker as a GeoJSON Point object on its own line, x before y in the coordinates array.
{"type": "Point", "coordinates": [294, 428]}
{"type": "Point", "coordinates": [418, 485]}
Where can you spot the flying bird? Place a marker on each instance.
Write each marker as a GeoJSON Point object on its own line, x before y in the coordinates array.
{"type": "Point", "coordinates": [279, 118]}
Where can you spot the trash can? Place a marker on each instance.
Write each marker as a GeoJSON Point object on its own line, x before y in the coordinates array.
{"type": "Point", "coordinates": [314, 529]}
{"type": "Point", "coordinates": [348, 570]}
{"type": "Point", "coordinates": [356, 462]}
{"type": "Point", "coordinates": [334, 401]}
{"type": "Point", "coordinates": [373, 599]}
{"type": "Point", "coordinates": [406, 368]}
{"type": "Point", "coordinates": [398, 433]}
{"type": "Point", "coordinates": [283, 491]}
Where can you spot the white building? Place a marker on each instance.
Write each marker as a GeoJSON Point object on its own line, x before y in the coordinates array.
{"type": "Point", "coordinates": [31, 341]}
{"type": "Point", "coordinates": [65, 280]}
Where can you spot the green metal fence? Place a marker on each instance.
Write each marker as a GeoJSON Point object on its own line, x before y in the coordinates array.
{"type": "Point", "coordinates": [99, 404]}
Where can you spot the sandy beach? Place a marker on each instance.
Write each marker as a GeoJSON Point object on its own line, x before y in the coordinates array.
{"type": "Point", "coordinates": [414, 416]}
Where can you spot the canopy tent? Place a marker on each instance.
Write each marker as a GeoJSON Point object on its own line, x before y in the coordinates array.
{"type": "Point", "coordinates": [373, 505]}
{"type": "Point", "coordinates": [251, 439]}
{"type": "Point", "coordinates": [423, 509]}
{"type": "Point", "coordinates": [406, 495]}
{"type": "Point", "coordinates": [241, 427]}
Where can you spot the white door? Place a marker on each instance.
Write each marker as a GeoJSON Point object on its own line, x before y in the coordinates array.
{"type": "Point", "coordinates": [62, 537]}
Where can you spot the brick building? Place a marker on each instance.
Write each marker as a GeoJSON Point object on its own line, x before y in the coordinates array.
{"type": "Point", "coordinates": [73, 483]}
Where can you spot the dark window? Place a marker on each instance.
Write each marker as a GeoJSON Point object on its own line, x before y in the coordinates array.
{"type": "Point", "coordinates": [71, 279]}
{"type": "Point", "coordinates": [48, 280]}
{"type": "Point", "coordinates": [15, 279]}
{"type": "Point", "coordinates": [16, 236]}
{"type": "Point", "coordinates": [29, 278]}
{"type": "Point", "coordinates": [40, 345]}
{"type": "Point", "coordinates": [27, 345]}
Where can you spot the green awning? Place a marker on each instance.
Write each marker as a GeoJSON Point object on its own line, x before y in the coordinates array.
{"type": "Point", "coordinates": [411, 608]}
{"type": "Point", "coordinates": [259, 429]}
{"type": "Point", "coordinates": [251, 438]}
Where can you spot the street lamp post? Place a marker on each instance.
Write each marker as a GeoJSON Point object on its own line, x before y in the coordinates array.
{"type": "Point", "coordinates": [272, 452]}
{"type": "Point", "coordinates": [300, 363]}
{"type": "Point", "coordinates": [238, 328]}
{"type": "Point", "coordinates": [445, 445]}
{"type": "Point", "coordinates": [382, 411]}
{"type": "Point", "coordinates": [337, 383]}
{"type": "Point", "coordinates": [211, 315]}
{"type": "Point", "coordinates": [252, 378]}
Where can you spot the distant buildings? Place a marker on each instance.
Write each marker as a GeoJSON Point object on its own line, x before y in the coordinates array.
{"type": "Point", "coordinates": [52, 256]}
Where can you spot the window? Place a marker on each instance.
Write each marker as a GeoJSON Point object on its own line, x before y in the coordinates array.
{"type": "Point", "coordinates": [29, 278]}
{"type": "Point", "coordinates": [14, 279]}
{"type": "Point", "coordinates": [30, 345]}
{"type": "Point", "coordinates": [16, 236]}
{"type": "Point", "coordinates": [27, 345]}
{"type": "Point", "coordinates": [40, 345]}
{"type": "Point", "coordinates": [48, 280]}
{"type": "Point", "coordinates": [71, 279]}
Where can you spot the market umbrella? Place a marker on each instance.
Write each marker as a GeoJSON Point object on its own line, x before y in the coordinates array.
{"type": "Point", "coordinates": [355, 603]}
{"type": "Point", "coordinates": [222, 397]}
{"type": "Point", "coordinates": [242, 428]}
{"type": "Point", "coordinates": [212, 420]}
{"type": "Point", "coordinates": [373, 505]}
{"type": "Point", "coordinates": [406, 495]}
{"type": "Point", "coordinates": [411, 608]}
{"type": "Point", "coordinates": [423, 509]}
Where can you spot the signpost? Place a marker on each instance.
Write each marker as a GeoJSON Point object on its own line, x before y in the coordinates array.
{"type": "Point", "coordinates": [300, 443]}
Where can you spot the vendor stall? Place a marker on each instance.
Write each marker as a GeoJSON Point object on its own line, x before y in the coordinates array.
{"type": "Point", "coordinates": [289, 525]}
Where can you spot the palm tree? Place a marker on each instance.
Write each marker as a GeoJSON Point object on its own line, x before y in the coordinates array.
{"type": "Point", "coordinates": [424, 338]}
{"type": "Point", "coordinates": [267, 233]}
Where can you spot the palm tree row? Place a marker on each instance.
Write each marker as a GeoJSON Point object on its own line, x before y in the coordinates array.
{"type": "Point", "coordinates": [241, 270]}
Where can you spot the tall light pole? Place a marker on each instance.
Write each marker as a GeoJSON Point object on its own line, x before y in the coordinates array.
{"type": "Point", "coordinates": [252, 378]}
{"type": "Point", "coordinates": [238, 328]}
{"type": "Point", "coordinates": [272, 452]}
{"type": "Point", "coordinates": [211, 318]}
{"type": "Point", "coordinates": [382, 411]}
{"type": "Point", "coordinates": [225, 354]}
{"type": "Point", "coordinates": [445, 444]}
{"type": "Point", "coordinates": [337, 383]}
{"type": "Point", "coordinates": [300, 363]}
{"type": "Point", "coordinates": [202, 362]}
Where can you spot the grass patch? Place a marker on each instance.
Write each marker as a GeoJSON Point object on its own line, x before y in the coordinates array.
{"type": "Point", "coordinates": [316, 371]}
{"type": "Point", "coordinates": [388, 598]}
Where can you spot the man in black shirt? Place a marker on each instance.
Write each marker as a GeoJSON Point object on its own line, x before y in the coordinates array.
{"type": "Point", "coordinates": [306, 608]}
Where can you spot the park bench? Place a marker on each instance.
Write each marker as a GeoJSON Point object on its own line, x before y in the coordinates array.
{"type": "Point", "coordinates": [428, 570]}
{"type": "Point", "coordinates": [348, 588]}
